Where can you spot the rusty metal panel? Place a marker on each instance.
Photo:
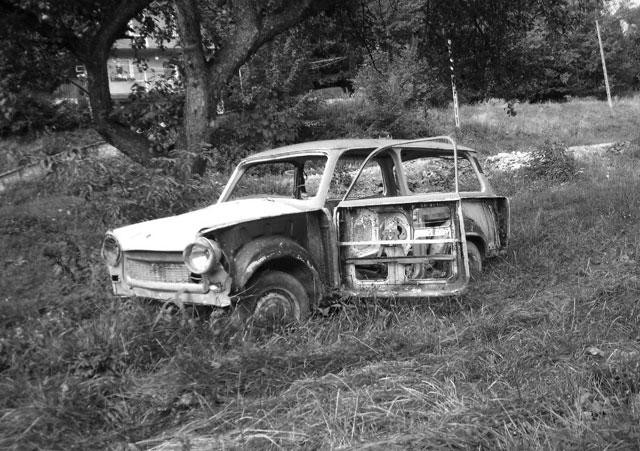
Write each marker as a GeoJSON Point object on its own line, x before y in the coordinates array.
{"type": "Point", "coordinates": [394, 248]}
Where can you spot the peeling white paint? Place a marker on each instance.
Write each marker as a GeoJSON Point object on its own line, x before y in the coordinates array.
{"type": "Point", "coordinates": [174, 233]}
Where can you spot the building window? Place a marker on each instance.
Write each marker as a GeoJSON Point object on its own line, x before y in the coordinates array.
{"type": "Point", "coordinates": [81, 71]}
{"type": "Point", "coordinates": [120, 71]}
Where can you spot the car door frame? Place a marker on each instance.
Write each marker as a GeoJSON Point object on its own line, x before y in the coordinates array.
{"type": "Point", "coordinates": [457, 241]}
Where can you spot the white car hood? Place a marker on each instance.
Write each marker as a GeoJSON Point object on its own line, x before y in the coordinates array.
{"type": "Point", "coordinates": [174, 233]}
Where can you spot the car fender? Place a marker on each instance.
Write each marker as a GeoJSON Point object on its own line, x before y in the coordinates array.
{"type": "Point", "coordinates": [256, 254]}
{"type": "Point", "coordinates": [480, 223]}
{"type": "Point", "coordinates": [473, 232]}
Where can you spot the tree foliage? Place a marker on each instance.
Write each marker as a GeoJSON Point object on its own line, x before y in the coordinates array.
{"type": "Point", "coordinates": [527, 49]}
{"type": "Point", "coordinates": [30, 68]}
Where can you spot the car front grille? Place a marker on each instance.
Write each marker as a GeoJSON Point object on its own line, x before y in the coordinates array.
{"type": "Point", "coordinates": [152, 269]}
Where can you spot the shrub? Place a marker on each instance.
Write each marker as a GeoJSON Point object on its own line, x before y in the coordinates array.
{"type": "Point", "coordinates": [633, 150]}
{"type": "Point", "coordinates": [258, 127]}
{"type": "Point", "coordinates": [544, 165]}
{"type": "Point", "coordinates": [391, 100]}
{"type": "Point", "coordinates": [397, 83]}
{"type": "Point", "coordinates": [69, 116]}
{"type": "Point", "coordinates": [157, 113]}
{"type": "Point", "coordinates": [121, 192]}
{"type": "Point", "coordinates": [27, 112]}
{"type": "Point", "coordinates": [356, 118]}
{"type": "Point", "coordinates": [550, 162]}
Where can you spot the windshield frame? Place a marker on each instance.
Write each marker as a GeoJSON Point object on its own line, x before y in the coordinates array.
{"type": "Point", "coordinates": [399, 145]}
{"type": "Point", "coordinates": [242, 167]}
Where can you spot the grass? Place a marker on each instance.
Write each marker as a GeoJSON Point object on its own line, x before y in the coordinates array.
{"type": "Point", "coordinates": [486, 126]}
{"type": "Point", "coordinates": [542, 352]}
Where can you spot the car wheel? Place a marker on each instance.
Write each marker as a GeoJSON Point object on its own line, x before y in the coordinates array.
{"type": "Point", "coordinates": [275, 299]}
{"type": "Point", "coordinates": [475, 260]}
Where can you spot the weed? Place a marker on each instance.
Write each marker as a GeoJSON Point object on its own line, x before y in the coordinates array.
{"type": "Point", "coordinates": [550, 162]}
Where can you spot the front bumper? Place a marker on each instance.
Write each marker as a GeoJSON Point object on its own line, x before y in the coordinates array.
{"type": "Point", "coordinates": [178, 289]}
{"type": "Point", "coordinates": [179, 293]}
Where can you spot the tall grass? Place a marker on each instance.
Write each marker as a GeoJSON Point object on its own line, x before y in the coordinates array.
{"type": "Point", "coordinates": [488, 127]}
{"type": "Point", "coordinates": [542, 352]}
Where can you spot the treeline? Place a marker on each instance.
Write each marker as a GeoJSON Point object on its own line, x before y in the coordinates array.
{"type": "Point", "coordinates": [261, 59]}
{"type": "Point", "coordinates": [525, 49]}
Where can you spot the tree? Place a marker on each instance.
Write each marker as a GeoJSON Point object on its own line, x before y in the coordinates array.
{"type": "Point", "coordinates": [197, 98]}
{"type": "Point", "coordinates": [527, 49]}
{"type": "Point", "coordinates": [86, 29]}
{"type": "Point", "coordinates": [234, 30]}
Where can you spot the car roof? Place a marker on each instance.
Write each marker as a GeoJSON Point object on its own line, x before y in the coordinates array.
{"type": "Point", "coordinates": [339, 145]}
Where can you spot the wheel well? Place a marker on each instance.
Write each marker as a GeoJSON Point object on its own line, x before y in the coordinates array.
{"type": "Point", "coordinates": [479, 242]}
{"type": "Point", "coordinates": [298, 270]}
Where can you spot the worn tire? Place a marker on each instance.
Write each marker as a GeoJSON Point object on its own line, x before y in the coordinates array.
{"type": "Point", "coordinates": [475, 260]}
{"type": "Point", "coordinates": [276, 298]}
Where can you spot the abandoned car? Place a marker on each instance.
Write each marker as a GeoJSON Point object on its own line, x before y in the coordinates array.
{"type": "Point", "coordinates": [372, 218]}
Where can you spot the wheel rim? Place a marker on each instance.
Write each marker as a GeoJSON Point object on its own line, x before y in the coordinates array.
{"type": "Point", "coordinates": [276, 307]}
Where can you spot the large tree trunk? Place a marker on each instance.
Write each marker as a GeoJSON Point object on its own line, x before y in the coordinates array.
{"type": "Point", "coordinates": [132, 144]}
{"type": "Point", "coordinates": [197, 92]}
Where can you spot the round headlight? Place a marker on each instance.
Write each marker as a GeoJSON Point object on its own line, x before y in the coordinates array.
{"type": "Point", "coordinates": [111, 250]}
{"type": "Point", "coordinates": [201, 255]}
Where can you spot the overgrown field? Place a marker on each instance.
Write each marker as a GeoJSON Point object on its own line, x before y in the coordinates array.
{"type": "Point", "coordinates": [576, 122]}
{"type": "Point", "coordinates": [542, 352]}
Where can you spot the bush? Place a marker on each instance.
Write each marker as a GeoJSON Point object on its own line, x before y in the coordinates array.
{"type": "Point", "coordinates": [28, 112]}
{"type": "Point", "coordinates": [258, 127]}
{"type": "Point", "coordinates": [633, 150]}
{"type": "Point", "coordinates": [356, 118]}
{"type": "Point", "coordinates": [157, 113]}
{"type": "Point", "coordinates": [401, 82]}
{"type": "Point", "coordinates": [550, 162]}
{"type": "Point", "coordinates": [391, 100]}
{"type": "Point", "coordinates": [121, 192]}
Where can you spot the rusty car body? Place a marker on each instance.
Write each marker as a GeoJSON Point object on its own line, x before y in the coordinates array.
{"type": "Point", "coordinates": [370, 217]}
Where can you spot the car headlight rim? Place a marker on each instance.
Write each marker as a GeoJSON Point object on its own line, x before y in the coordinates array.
{"type": "Point", "coordinates": [201, 255]}
{"type": "Point", "coordinates": [111, 250]}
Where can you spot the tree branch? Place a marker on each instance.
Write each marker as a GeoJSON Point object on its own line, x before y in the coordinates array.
{"type": "Point", "coordinates": [293, 13]}
{"type": "Point", "coordinates": [114, 24]}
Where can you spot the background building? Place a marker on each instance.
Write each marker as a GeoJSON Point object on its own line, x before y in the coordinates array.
{"type": "Point", "coordinates": [154, 62]}
{"type": "Point", "coordinates": [127, 67]}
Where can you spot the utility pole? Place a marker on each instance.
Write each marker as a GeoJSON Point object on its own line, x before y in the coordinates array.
{"type": "Point", "coordinates": [604, 67]}
{"type": "Point", "coordinates": [456, 111]}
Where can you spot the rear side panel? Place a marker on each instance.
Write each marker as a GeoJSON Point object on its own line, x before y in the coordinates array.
{"type": "Point", "coordinates": [503, 210]}
{"type": "Point", "coordinates": [486, 219]}
{"type": "Point", "coordinates": [409, 248]}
